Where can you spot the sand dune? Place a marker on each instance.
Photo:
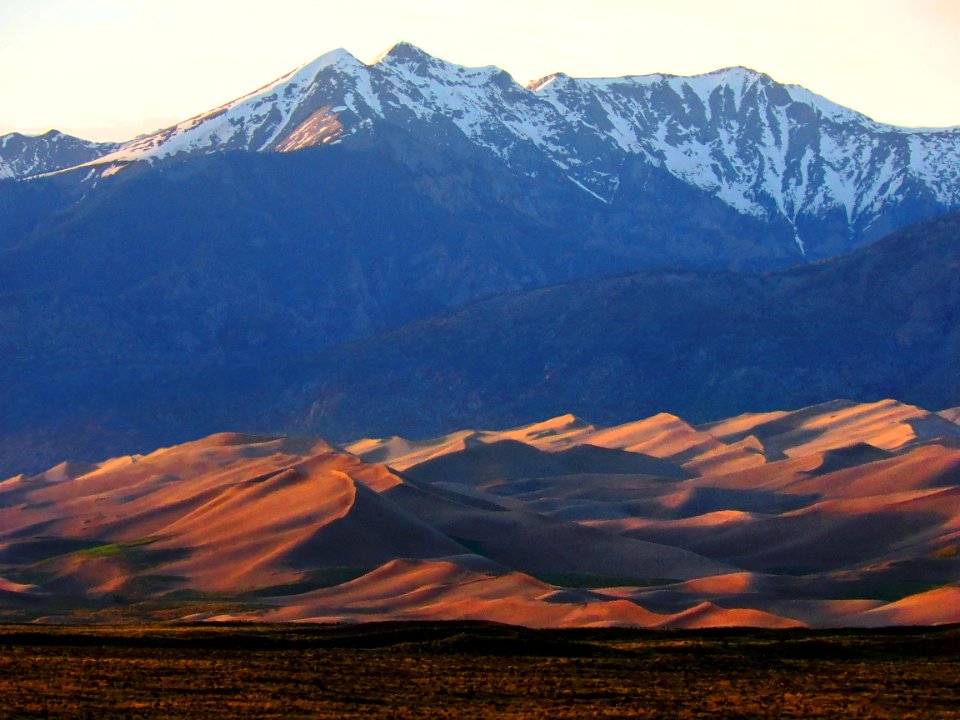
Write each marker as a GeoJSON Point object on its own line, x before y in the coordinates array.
{"type": "Point", "coordinates": [934, 607]}
{"type": "Point", "coordinates": [706, 615]}
{"type": "Point", "coordinates": [311, 516]}
{"type": "Point", "coordinates": [730, 584]}
{"type": "Point", "coordinates": [773, 519]}
{"type": "Point", "coordinates": [554, 434]}
{"type": "Point", "coordinates": [534, 543]}
{"type": "Point", "coordinates": [927, 466]}
{"type": "Point", "coordinates": [447, 590]}
{"type": "Point", "coordinates": [18, 595]}
{"type": "Point", "coordinates": [459, 588]}
{"type": "Point", "coordinates": [786, 597]}
{"type": "Point", "coordinates": [513, 459]}
{"type": "Point", "coordinates": [886, 424]}
{"type": "Point", "coordinates": [719, 518]}
{"type": "Point", "coordinates": [722, 447]}
{"type": "Point", "coordinates": [821, 539]}
{"type": "Point", "coordinates": [400, 453]}
{"type": "Point", "coordinates": [483, 463]}
{"type": "Point", "coordinates": [662, 436]}
{"type": "Point", "coordinates": [740, 455]}
{"type": "Point", "coordinates": [824, 613]}
{"type": "Point", "coordinates": [12, 587]}
{"type": "Point", "coordinates": [739, 426]}
{"type": "Point", "coordinates": [225, 513]}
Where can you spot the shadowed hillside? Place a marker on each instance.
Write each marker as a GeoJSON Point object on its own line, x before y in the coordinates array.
{"type": "Point", "coordinates": [881, 322]}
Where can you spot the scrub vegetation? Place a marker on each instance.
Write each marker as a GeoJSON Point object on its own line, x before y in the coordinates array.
{"type": "Point", "coordinates": [460, 670]}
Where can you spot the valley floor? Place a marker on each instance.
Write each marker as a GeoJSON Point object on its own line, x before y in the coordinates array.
{"type": "Point", "coordinates": [460, 670]}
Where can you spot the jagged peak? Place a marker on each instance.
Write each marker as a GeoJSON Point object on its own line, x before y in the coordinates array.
{"type": "Point", "coordinates": [48, 135]}
{"type": "Point", "coordinates": [404, 51]}
{"type": "Point", "coordinates": [724, 72]}
{"type": "Point", "coordinates": [340, 56]}
{"type": "Point", "coordinates": [740, 71]}
{"type": "Point", "coordinates": [547, 80]}
{"type": "Point", "coordinates": [737, 75]}
{"type": "Point", "coordinates": [405, 57]}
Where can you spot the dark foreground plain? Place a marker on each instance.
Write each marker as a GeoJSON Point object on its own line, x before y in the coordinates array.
{"type": "Point", "coordinates": [470, 670]}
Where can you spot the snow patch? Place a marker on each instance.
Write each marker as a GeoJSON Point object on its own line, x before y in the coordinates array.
{"type": "Point", "coordinates": [762, 148]}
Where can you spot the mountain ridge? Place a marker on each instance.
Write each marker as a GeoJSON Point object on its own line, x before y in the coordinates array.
{"type": "Point", "coordinates": [233, 269]}
{"type": "Point", "coordinates": [26, 155]}
{"type": "Point", "coordinates": [877, 323]}
{"type": "Point", "coordinates": [773, 151]}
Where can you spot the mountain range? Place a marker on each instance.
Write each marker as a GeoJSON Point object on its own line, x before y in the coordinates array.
{"type": "Point", "coordinates": [413, 246]}
{"type": "Point", "coordinates": [776, 152]}
{"type": "Point", "coordinates": [882, 321]}
{"type": "Point", "coordinates": [23, 156]}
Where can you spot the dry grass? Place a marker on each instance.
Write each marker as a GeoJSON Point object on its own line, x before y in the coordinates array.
{"type": "Point", "coordinates": [474, 671]}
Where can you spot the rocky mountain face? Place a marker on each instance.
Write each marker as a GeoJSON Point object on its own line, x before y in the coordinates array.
{"type": "Point", "coordinates": [25, 155]}
{"type": "Point", "coordinates": [825, 177]}
{"type": "Point", "coordinates": [294, 245]}
{"type": "Point", "coordinates": [881, 322]}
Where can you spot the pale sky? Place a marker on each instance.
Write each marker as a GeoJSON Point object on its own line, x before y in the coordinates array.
{"type": "Point", "coordinates": [111, 69]}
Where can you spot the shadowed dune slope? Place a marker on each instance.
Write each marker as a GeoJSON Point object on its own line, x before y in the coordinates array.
{"type": "Point", "coordinates": [886, 424]}
{"type": "Point", "coordinates": [717, 448]}
{"type": "Point", "coordinates": [553, 434]}
{"type": "Point", "coordinates": [456, 589]}
{"type": "Point", "coordinates": [707, 614]}
{"type": "Point", "coordinates": [464, 589]}
{"type": "Point", "coordinates": [514, 459]}
{"type": "Point", "coordinates": [836, 514]}
{"type": "Point", "coordinates": [225, 513]}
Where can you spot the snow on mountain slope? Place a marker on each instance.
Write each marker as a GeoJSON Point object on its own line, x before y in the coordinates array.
{"type": "Point", "coordinates": [25, 155]}
{"type": "Point", "coordinates": [762, 147]}
{"type": "Point", "coordinates": [766, 149]}
{"type": "Point", "coordinates": [255, 122]}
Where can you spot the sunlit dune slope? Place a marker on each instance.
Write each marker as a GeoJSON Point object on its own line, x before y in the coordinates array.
{"type": "Point", "coordinates": [225, 513]}
{"type": "Point", "coordinates": [836, 514]}
{"type": "Point", "coordinates": [886, 424]}
{"type": "Point", "coordinates": [935, 607]}
{"type": "Point", "coordinates": [468, 588]}
{"type": "Point", "coordinates": [465, 588]}
{"type": "Point", "coordinates": [554, 434]}
{"type": "Point", "coordinates": [725, 446]}
{"type": "Point", "coordinates": [707, 614]}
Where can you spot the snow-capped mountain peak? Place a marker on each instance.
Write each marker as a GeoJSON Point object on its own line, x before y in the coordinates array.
{"type": "Point", "coordinates": [403, 51]}
{"type": "Point", "coordinates": [768, 150]}
{"type": "Point", "coordinates": [26, 155]}
{"type": "Point", "coordinates": [255, 122]}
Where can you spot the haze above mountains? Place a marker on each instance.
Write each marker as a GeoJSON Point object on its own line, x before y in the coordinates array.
{"type": "Point", "coordinates": [412, 246]}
